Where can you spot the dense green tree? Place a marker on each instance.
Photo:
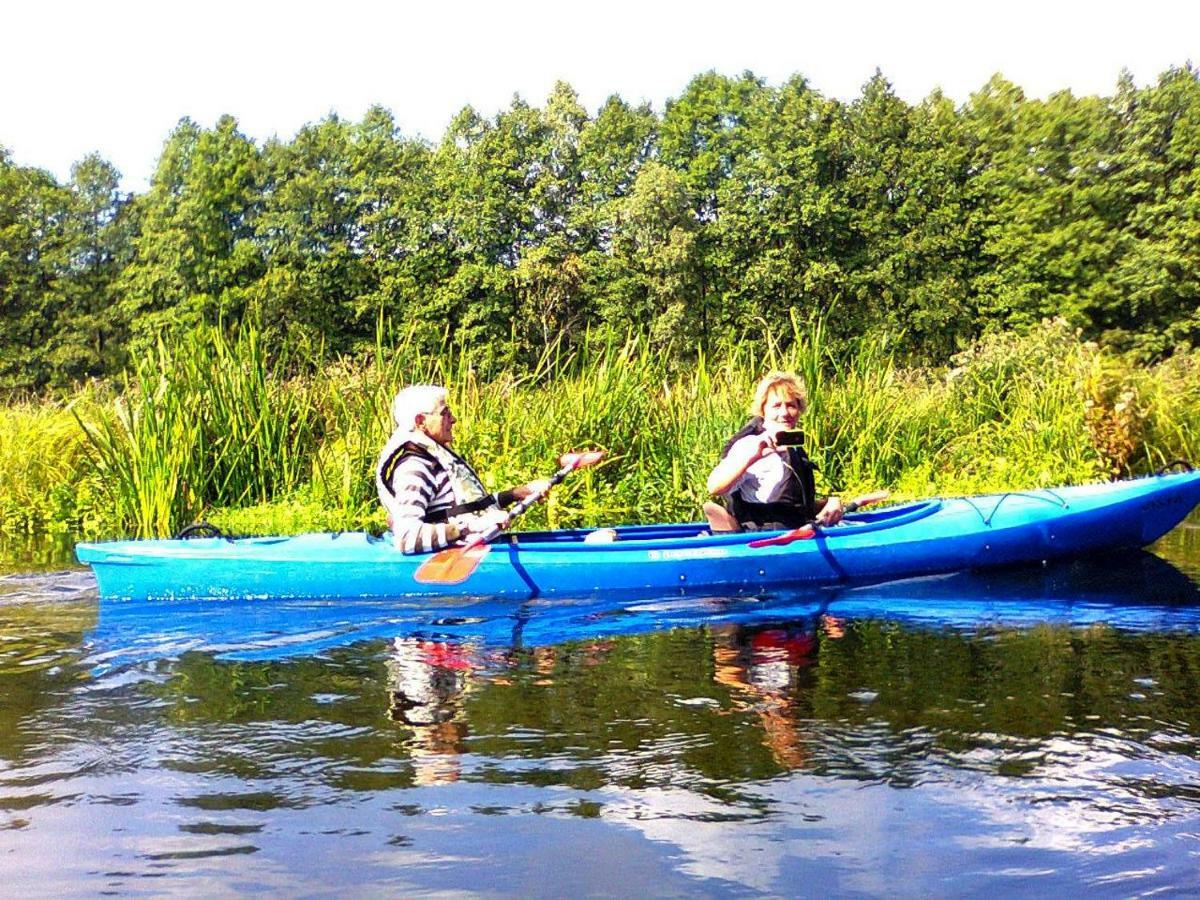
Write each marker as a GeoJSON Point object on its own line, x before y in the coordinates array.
{"type": "Point", "coordinates": [783, 232]}
{"type": "Point", "coordinates": [33, 262]}
{"type": "Point", "coordinates": [653, 272]}
{"type": "Point", "coordinates": [910, 243]}
{"type": "Point", "coordinates": [61, 249]}
{"type": "Point", "coordinates": [91, 331]}
{"type": "Point", "coordinates": [703, 136]}
{"type": "Point", "coordinates": [1157, 296]}
{"type": "Point", "coordinates": [876, 191]}
{"type": "Point", "coordinates": [196, 259]}
{"type": "Point", "coordinates": [939, 247]}
{"type": "Point", "coordinates": [402, 233]}
{"type": "Point", "coordinates": [613, 147]}
{"type": "Point", "coordinates": [311, 234]}
{"type": "Point", "coordinates": [549, 277]}
{"type": "Point", "coordinates": [1048, 239]}
{"type": "Point", "coordinates": [741, 207]}
{"type": "Point", "coordinates": [482, 171]}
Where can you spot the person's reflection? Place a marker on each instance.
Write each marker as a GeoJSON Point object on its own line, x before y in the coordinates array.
{"type": "Point", "coordinates": [762, 664]}
{"type": "Point", "coordinates": [429, 681]}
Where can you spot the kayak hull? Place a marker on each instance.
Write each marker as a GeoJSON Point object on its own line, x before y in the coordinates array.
{"type": "Point", "coordinates": [922, 538]}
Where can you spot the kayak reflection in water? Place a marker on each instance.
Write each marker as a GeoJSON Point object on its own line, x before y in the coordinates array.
{"type": "Point", "coordinates": [762, 664]}
{"type": "Point", "coordinates": [764, 476]}
{"type": "Point", "coordinates": [429, 683]}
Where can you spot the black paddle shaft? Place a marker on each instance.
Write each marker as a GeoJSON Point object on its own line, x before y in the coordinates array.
{"type": "Point", "coordinates": [486, 536]}
{"type": "Point", "coordinates": [533, 498]}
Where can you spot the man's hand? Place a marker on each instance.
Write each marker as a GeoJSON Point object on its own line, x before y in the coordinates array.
{"type": "Point", "coordinates": [480, 523]}
{"type": "Point", "coordinates": [524, 490]}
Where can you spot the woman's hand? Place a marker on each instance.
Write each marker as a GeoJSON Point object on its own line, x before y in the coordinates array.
{"type": "Point", "coordinates": [762, 448]}
{"type": "Point", "coordinates": [832, 512]}
{"type": "Point", "coordinates": [767, 447]}
{"type": "Point", "coordinates": [746, 453]}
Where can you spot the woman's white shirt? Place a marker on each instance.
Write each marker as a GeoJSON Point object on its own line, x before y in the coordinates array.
{"type": "Point", "coordinates": [765, 480]}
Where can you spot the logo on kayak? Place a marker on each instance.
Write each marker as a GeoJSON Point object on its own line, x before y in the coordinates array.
{"type": "Point", "coordinates": [1162, 501]}
{"type": "Point", "coordinates": [693, 553]}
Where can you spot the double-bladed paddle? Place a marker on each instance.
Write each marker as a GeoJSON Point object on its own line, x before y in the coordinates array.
{"type": "Point", "coordinates": [809, 529]}
{"type": "Point", "coordinates": [454, 565]}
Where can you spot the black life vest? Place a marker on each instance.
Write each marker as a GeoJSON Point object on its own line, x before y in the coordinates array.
{"type": "Point", "coordinates": [797, 504]}
{"type": "Point", "coordinates": [387, 470]}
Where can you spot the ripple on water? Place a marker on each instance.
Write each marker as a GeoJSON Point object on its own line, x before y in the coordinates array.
{"type": "Point", "coordinates": [44, 587]}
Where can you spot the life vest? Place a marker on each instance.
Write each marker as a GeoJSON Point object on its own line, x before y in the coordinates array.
{"type": "Point", "coordinates": [797, 502]}
{"type": "Point", "coordinates": [464, 483]}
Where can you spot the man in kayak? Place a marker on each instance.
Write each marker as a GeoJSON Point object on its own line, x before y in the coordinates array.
{"type": "Point", "coordinates": [764, 475]}
{"type": "Point", "coordinates": [432, 496]}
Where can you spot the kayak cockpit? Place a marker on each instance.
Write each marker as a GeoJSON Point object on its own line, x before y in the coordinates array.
{"type": "Point", "coordinates": [698, 534]}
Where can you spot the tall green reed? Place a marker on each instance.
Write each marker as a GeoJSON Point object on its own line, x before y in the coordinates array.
{"type": "Point", "coordinates": [206, 423]}
{"type": "Point", "coordinates": [150, 454]}
{"type": "Point", "coordinates": [262, 425]}
{"type": "Point", "coordinates": [41, 450]}
{"type": "Point", "coordinates": [1152, 416]}
{"type": "Point", "coordinates": [218, 423]}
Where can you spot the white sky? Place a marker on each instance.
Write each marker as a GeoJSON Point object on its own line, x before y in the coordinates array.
{"type": "Point", "coordinates": [114, 77]}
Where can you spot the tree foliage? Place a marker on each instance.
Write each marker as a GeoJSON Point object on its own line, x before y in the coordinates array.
{"type": "Point", "coordinates": [740, 207]}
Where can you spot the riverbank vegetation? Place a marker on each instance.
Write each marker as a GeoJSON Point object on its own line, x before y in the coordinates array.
{"type": "Point", "coordinates": [213, 427]}
{"type": "Point", "coordinates": [1001, 294]}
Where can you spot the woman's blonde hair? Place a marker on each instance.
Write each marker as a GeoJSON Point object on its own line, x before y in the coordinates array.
{"type": "Point", "coordinates": [784, 383]}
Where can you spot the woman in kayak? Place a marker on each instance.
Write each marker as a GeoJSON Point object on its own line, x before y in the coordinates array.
{"type": "Point", "coordinates": [764, 475]}
{"type": "Point", "coordinates": [432, 496]}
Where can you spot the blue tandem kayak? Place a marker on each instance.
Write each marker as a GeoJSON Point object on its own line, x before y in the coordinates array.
{"type": "Point", "coordinates": [921, 538]}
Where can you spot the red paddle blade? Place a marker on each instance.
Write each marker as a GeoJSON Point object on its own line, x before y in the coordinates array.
{"type": "Point", "coordinates": [803, 533]}
{"type": "Point", "coordinates": [807, 532]}
{"type": "Point", "coordinates": [454, 565]}
{"type": "Point", "coordinates": [867, 499]}
{"type": "Point", "coordinates": [580, 459]}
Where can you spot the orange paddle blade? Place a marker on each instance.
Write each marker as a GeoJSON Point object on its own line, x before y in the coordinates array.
{"type": "Point", "coordinates": [453, 565]}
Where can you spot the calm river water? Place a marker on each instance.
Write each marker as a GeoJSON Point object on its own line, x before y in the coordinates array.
{"type": "Point", "coordinates": [1025, 734]}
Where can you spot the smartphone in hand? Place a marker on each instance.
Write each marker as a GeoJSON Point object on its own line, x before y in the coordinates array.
{"type": "Point", "coordinates": [793, 438]}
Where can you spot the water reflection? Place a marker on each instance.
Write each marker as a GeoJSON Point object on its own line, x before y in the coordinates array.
{"type": "Point", "coordinates": [1025, 731]}
{"type": "Point", "coordinates": [27, 553]}
{"type": "Point", "coordinates": [43, 630]}
{"type": "Point", "coordinates": [428, 683]}
{"type": "Point", "coordinates": [1144, 593]}
{"type": "Point", "coordinates": [762, 665]}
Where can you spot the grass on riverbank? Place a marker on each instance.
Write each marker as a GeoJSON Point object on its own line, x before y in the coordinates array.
{"type": "Point", "coordinates": [216, 429]}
